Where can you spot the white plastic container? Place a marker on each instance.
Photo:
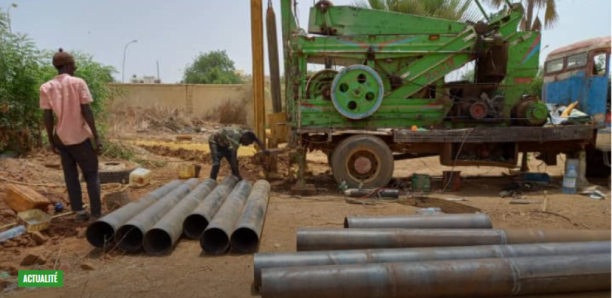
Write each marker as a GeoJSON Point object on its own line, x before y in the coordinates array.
{"type": "Point", "coordinates": [140, 177]}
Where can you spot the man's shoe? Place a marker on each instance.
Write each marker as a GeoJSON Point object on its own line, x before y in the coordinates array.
{"type": "Point", "coordinates": [81, 217]}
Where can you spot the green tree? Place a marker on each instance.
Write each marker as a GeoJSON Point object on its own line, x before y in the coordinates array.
{"type": "Point", "coordinates": [23, 68]}
{"type": "Point", "coordinates": [212, 68]}
{"type": "Point", "coordinates": [19, 82]}
{"type": "Point", "coordinates": [444, 9]}
{"type": "Point", "coordinates": [531, 21]}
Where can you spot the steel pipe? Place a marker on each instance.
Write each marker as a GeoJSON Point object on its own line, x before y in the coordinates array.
{"type": "Point", "coordinates": [442, 221]}
{"type": "Point", "coordinates": [197, 221]}
{"type": "Point", "coordinates": [130, 235]}
{"type": "Point", "coordinates": [400, 255]}
{"type": "Point", "coordinates": [102, 231]}
{"type": "Point", "coordinates": [454, 278]}
{"type": "Point", "coordinates": [162, 236]}
{"type": "Point", "coordinates": [245, 237]}
{"type": "Point", "coordinates": [340, 239]}
{"type": "Point", "coordinates": [215, 239]}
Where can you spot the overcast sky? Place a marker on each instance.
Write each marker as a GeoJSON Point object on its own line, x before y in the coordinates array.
{"type": "Point", "coordinates": [174, 32]}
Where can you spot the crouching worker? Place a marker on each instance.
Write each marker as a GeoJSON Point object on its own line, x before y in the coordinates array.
{"type": "Point", "coordinates": [68, 98]}
{"type": "Point", "coordinates": [224, 143]}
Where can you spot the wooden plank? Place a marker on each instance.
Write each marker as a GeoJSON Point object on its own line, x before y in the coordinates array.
{"type": "Point", "coordinates": [22, 198]}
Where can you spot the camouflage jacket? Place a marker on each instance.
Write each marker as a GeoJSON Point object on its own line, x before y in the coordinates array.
{"type": "Point", "coordinates": [228, 137]}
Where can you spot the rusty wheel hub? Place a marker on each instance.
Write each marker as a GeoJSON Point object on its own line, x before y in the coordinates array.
{"type": "Point", "coordinates": [363, 165]}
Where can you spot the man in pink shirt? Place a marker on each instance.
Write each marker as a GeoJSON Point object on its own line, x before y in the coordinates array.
{"type": "Point", "coordinates": [68, 98]}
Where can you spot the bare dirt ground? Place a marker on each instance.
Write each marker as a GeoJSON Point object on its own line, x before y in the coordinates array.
{"type": "Point", "coordinates": [187, 272]}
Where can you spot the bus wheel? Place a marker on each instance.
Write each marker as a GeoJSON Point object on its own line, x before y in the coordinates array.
{"type": "Point", "coordinates": [362, 160]}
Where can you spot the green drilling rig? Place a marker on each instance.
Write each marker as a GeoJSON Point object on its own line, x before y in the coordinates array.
{"type": "Point", "coordinates": [380, 94]}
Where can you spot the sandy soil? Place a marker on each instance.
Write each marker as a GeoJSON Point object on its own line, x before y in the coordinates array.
{"type": "Point", "coordinates": [187, 272]}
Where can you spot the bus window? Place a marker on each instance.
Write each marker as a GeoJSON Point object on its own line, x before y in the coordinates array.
{"type": "Point", "coordinates": [599, 64]}
{"type": "Point", "coordinates": [577, 61]}
{"type": "Point", "coordinates": [554, 65]}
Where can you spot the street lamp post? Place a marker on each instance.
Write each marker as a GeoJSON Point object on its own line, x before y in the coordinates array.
{"type": "Point", "coordinates": [124, 53]}
{"type": "Point", "coordinates": [8, 15]}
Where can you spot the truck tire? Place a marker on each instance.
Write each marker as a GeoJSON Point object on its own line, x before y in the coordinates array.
{"type": "Point", "coordinates": [109, 174]}
{"type": "Point", "coordinates": [363, 160]}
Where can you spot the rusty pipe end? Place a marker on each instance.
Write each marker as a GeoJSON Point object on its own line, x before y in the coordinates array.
{"type": "Point", "coordinates": [129, 238]}
{"type": "Point", "coordinates": [194, 226]}
{"type": "Point", "coordinates": [346, 223]}
{"type": "Point", "coordinates": [245, 240]}
{"type": "Point", "coordinates": [215, 241]}
{"type": "Point", "coordinates": [157, 242]}
{"type": "Point", "coordinates": [100, 233]}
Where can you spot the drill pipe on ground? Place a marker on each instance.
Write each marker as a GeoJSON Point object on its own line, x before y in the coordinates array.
{"type": "Point", "coordinates": [442, 221]}
{"type": "Point", "coordinates": [130, 235]}
{"type": "Point", "coordinates": [400, 255]}
{"type": "Point", "coordinates": [197, 221]}
{"type": "Point", "coordinates": [245, 238]}
{"type": "Point", "coordinates": [342, 239]}
{"type": "Point", "coordinates": [164, 234]}
{"type": "Point", "coordinates": [103, 230]}
{"type": "Point", "coordinates": [450, 278]}
{"type": "Point", "coordinates": [215, 239]}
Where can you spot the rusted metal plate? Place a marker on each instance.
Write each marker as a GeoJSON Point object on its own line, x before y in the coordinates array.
{"type": "Point", "coordinates": [496, 134]}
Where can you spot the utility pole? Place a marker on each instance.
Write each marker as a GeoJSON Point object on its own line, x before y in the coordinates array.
{"type": "Point", "coordinates": [124, 53]}
{"type": "Point", "coordinates": [8, 15]}
{"type": "Point", "coordinates": [158, 79]}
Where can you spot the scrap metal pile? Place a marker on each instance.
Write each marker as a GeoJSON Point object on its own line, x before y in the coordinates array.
{"type": "Point", "coordinates": [434, 256]}
{"type": "Point", "coordinates": [229, 214]}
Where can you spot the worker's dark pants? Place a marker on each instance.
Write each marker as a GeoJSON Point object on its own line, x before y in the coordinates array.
{"type": "Point", "coordinates": [217, 153]}
{"type": "Point", "coordinates": [85, 157]}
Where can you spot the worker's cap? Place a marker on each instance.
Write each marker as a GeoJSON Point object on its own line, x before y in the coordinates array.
{"type": "Point", "coordinates": [62, 58]}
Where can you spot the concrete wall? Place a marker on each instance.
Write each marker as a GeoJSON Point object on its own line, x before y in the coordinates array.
{"type": "Point", "coordinates": [205, 101]}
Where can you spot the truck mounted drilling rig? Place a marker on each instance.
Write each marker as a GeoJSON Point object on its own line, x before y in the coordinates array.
{"type": "Point", "coordinates": [381, 95]}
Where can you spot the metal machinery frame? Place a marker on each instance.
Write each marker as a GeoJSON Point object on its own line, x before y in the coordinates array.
{"type": "Point", "coordinates": [381, 90]}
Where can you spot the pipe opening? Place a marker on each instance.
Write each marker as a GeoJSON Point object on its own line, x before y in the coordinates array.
{"type": "Point", "coordinates": [129, 237]}
{"type": "Point", "coordinates": [245, 240]}
{"type": "Point", "coordinates": [194, 226]}
{"type": "Point", "coordinates": [346, 223]}
{"type": "Point", "coordinates": [214, 241]}
{"type": "Point", "coordinates": [157, 242]}
{"type": "Point", "coordinates": [99, 233]}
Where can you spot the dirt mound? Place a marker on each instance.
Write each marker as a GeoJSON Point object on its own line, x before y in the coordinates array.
{"type": "Point", "coordinates": [155, 120]}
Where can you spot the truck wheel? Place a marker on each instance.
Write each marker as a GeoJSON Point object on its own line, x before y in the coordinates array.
{"type": "Point", "coordinates": [363, 159]}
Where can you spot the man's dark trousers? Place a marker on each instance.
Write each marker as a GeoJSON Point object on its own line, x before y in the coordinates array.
{"type": "Point", "coordinates": [85, 157]}
{"type": "Point", "coordinates": [217, 153]}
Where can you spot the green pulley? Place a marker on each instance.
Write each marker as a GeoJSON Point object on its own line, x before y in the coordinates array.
{"type": "Point", "coordinates": [537, 113]}
{"type": "Point", "coordinates": [357, 92]}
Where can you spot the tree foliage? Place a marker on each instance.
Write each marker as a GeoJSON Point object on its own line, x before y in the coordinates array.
{"type": "Point", "coordinates": [212, 68]}
{"type": "Point", "coordinates": [531, 21]}
{"type": "Point", "coordinates": [444, 9]}
{"type": "Point", "coordinates": [23, 68]}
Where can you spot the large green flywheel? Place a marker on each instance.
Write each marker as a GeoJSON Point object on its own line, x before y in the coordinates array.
{"type": "Point", "coordinates": [357, 92]}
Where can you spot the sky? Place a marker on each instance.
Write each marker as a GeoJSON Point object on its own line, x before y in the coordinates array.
{"type": "Point", "coordinates": [174, 32]}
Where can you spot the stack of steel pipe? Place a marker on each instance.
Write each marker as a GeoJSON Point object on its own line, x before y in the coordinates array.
{"type": "Point", "coordinates": [216, 237]}
{"type": "Point", "coordinates": [197, 221]}
{"type": "Point", "coordinates": [450, 278]}
{"type": "Point", "coordinates": [102, 232]}
{"type": "Point", "coordinates": [163, 235]}
{"type": "Point", "coordinates": [289, 260]}
{"type": "Point", "coordinates": [247, 233]}
{"type": "Point", "coordinates": [435, 256]}
{"type": "Point", "coordinates": [130, 235]}
{"type": "Point", "coordinates": [340, 239]}
{"type": "Point", "coordinates": [442, 221]}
